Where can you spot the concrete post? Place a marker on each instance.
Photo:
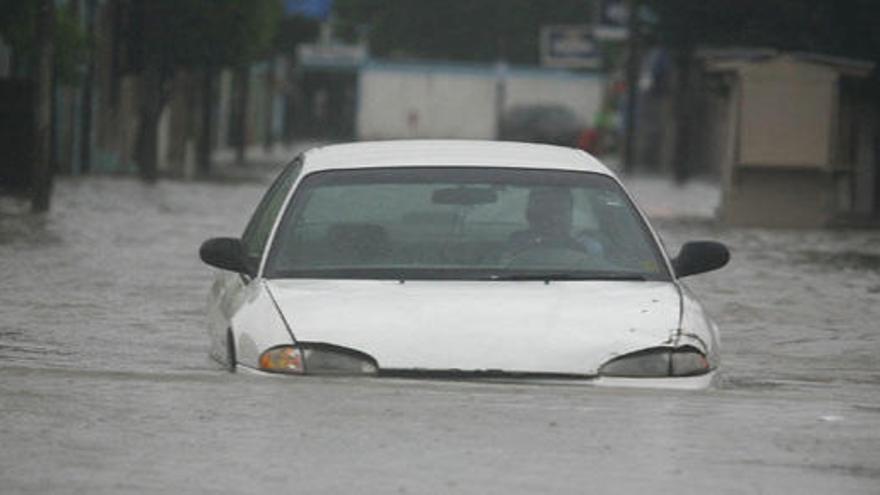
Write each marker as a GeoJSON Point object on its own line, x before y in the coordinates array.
{"type": "Point", "coordinates": [42, 170]}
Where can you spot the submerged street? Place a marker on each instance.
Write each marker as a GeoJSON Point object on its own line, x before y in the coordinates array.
{"type": "Point", "coordinates": [107, 386]}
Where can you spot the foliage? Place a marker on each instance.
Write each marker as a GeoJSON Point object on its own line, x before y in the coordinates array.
{"type": "Point", "coordinates": [71, 48]}
{"type": "Point", "coordinates": [171, 34]}
{"type": "Point", "coordinates": [18, 21]}
{"type": "Point", "coordinates": [165, 36]}
{"type": "Point", "coordinates": [478, 30]}
{"type": "Point", "coordinates": [294, 30]}
{"type": "Point", "coordinates": [489, 30]}
{"type": "Point", "coordinates": [834, 27]}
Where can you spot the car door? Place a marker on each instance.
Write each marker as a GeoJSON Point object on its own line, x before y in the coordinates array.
{"type": "Point", "coordinates": [229, 289]}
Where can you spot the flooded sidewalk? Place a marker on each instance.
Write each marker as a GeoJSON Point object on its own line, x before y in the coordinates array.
{"type": "Point", "coordinates": [107, 386]}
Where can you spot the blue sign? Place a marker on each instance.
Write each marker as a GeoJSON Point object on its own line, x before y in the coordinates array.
{"type": "Point", "coordinates": [316, 9]}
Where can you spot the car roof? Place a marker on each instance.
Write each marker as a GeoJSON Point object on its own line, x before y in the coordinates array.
{"type": "Point", "coordinates": [450, 153]}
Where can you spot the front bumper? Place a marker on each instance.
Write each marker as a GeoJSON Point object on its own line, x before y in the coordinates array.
{"type": "Point", "coordinates": [699, 382]}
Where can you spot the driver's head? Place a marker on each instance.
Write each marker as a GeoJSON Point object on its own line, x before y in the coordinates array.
{"type": "Point", "coordinates": [549, 210]}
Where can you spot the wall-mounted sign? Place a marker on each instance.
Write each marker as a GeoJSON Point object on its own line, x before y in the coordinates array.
{"type": "Point", "coordinates": [569, 46]}
{"type": "Point", "coordinates": [611, 17]}
{"type": "Point", "coordinates": [331, 54]}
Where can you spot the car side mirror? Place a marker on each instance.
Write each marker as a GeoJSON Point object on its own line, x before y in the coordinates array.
{"type": "Point", "coordinates": [700, 257]}
{"type": "Point", "coordinates": [226, 253]}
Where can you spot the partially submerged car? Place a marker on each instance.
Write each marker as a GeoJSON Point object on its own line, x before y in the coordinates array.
{"type": "Point", "coordinates": [458, 259]}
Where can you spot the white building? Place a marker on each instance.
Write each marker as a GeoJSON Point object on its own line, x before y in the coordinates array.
{"type": "Point", "coordinates": [441, 100]}
{"type": "Point", "coordinates": [375, 99]}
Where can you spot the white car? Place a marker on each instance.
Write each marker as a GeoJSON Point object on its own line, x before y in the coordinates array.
{"type": "Point", "coordinates": [460, 259]}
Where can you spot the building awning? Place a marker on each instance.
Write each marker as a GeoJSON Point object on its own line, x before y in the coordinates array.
{"type": "Point", "coordinates": [736, 59]}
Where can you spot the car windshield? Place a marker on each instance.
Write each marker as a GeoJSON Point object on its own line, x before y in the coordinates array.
{"type": "Point", "coordinates": [463, 223]}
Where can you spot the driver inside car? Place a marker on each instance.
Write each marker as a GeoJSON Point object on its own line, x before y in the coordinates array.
{"type": "Point", "coordinates": [549, 215]}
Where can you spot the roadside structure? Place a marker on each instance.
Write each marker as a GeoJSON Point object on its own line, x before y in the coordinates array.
{"type": "Point", "coordinates": [792, 137]}
{"type": "Point", "coordinates": [797, 140]}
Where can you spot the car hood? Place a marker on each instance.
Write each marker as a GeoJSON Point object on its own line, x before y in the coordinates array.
{"type": "Point", "coordinates": [531, 327]}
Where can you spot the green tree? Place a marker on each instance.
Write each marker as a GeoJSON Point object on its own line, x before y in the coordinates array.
{"type": "Point", "coordinates": [477, 30]}
{"type": "Point", "coordinates": [48, 47]}
{"type": "Point", "coordinates": [18, 26]}
{"type": "Point", "coordinates": [169, 35]}
{"type": "Point", "coordinates": [834, 27]}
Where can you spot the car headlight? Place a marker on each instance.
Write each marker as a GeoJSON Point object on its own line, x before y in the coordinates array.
{"type": "Point", "coordinates": [317, 359]}
{"type": "Point", "coordinates": [325, 359]}
{"type": "Point", "coordinates": [658, 362]}
{"type": "Point", "coordinates": [282, 359]}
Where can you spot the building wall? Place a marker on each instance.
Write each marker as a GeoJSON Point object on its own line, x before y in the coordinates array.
{"type": "Point", "coordinates": [581, 93]}
{"type": "Point", "coordinates": [787, 114]}
{"type": "Point", "coordinates": [401, 103]}
{"type": "Point", "coordinates": [768, 197]}
{"type": "Point", "coordinates": [452, 101]}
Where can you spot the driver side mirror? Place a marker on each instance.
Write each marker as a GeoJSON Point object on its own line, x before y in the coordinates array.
{"type": "Point", "coordinates": [700, 257]}
{"type": "Point", "coordinates": [226, 253]}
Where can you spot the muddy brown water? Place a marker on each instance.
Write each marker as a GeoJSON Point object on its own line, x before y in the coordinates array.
{"type": "Point", "coordinates": [105, 384]}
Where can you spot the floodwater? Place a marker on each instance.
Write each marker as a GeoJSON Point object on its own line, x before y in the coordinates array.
{"type": "Point", "coordinates": [106, 387]}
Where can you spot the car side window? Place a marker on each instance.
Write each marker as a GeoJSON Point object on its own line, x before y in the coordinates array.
{"type": "Point", "coordinates": [257, 231]}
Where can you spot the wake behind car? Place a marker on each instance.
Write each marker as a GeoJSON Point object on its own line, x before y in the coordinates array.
{"type": "Point", "coordinates": [458, 259]}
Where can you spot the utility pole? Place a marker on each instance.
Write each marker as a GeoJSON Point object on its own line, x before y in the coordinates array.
{"type": "Point", "coordinates": [243, 76]}
{"type": "Point", "coordinates": [633, 64]}
{"type": "Point", "coordinates": [502, 71]}
{"type": "Point", "coordinates": [42, 170]}
{"type": "Point", "coordinates": [85, 147]}
{"type": "Point", "coordinates": [206, 134]}
{"type": "Point", "coordinates": [683, 116]}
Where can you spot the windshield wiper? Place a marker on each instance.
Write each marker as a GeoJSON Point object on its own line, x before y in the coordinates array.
{"type": "Point", "coordinates": [547, 277]}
